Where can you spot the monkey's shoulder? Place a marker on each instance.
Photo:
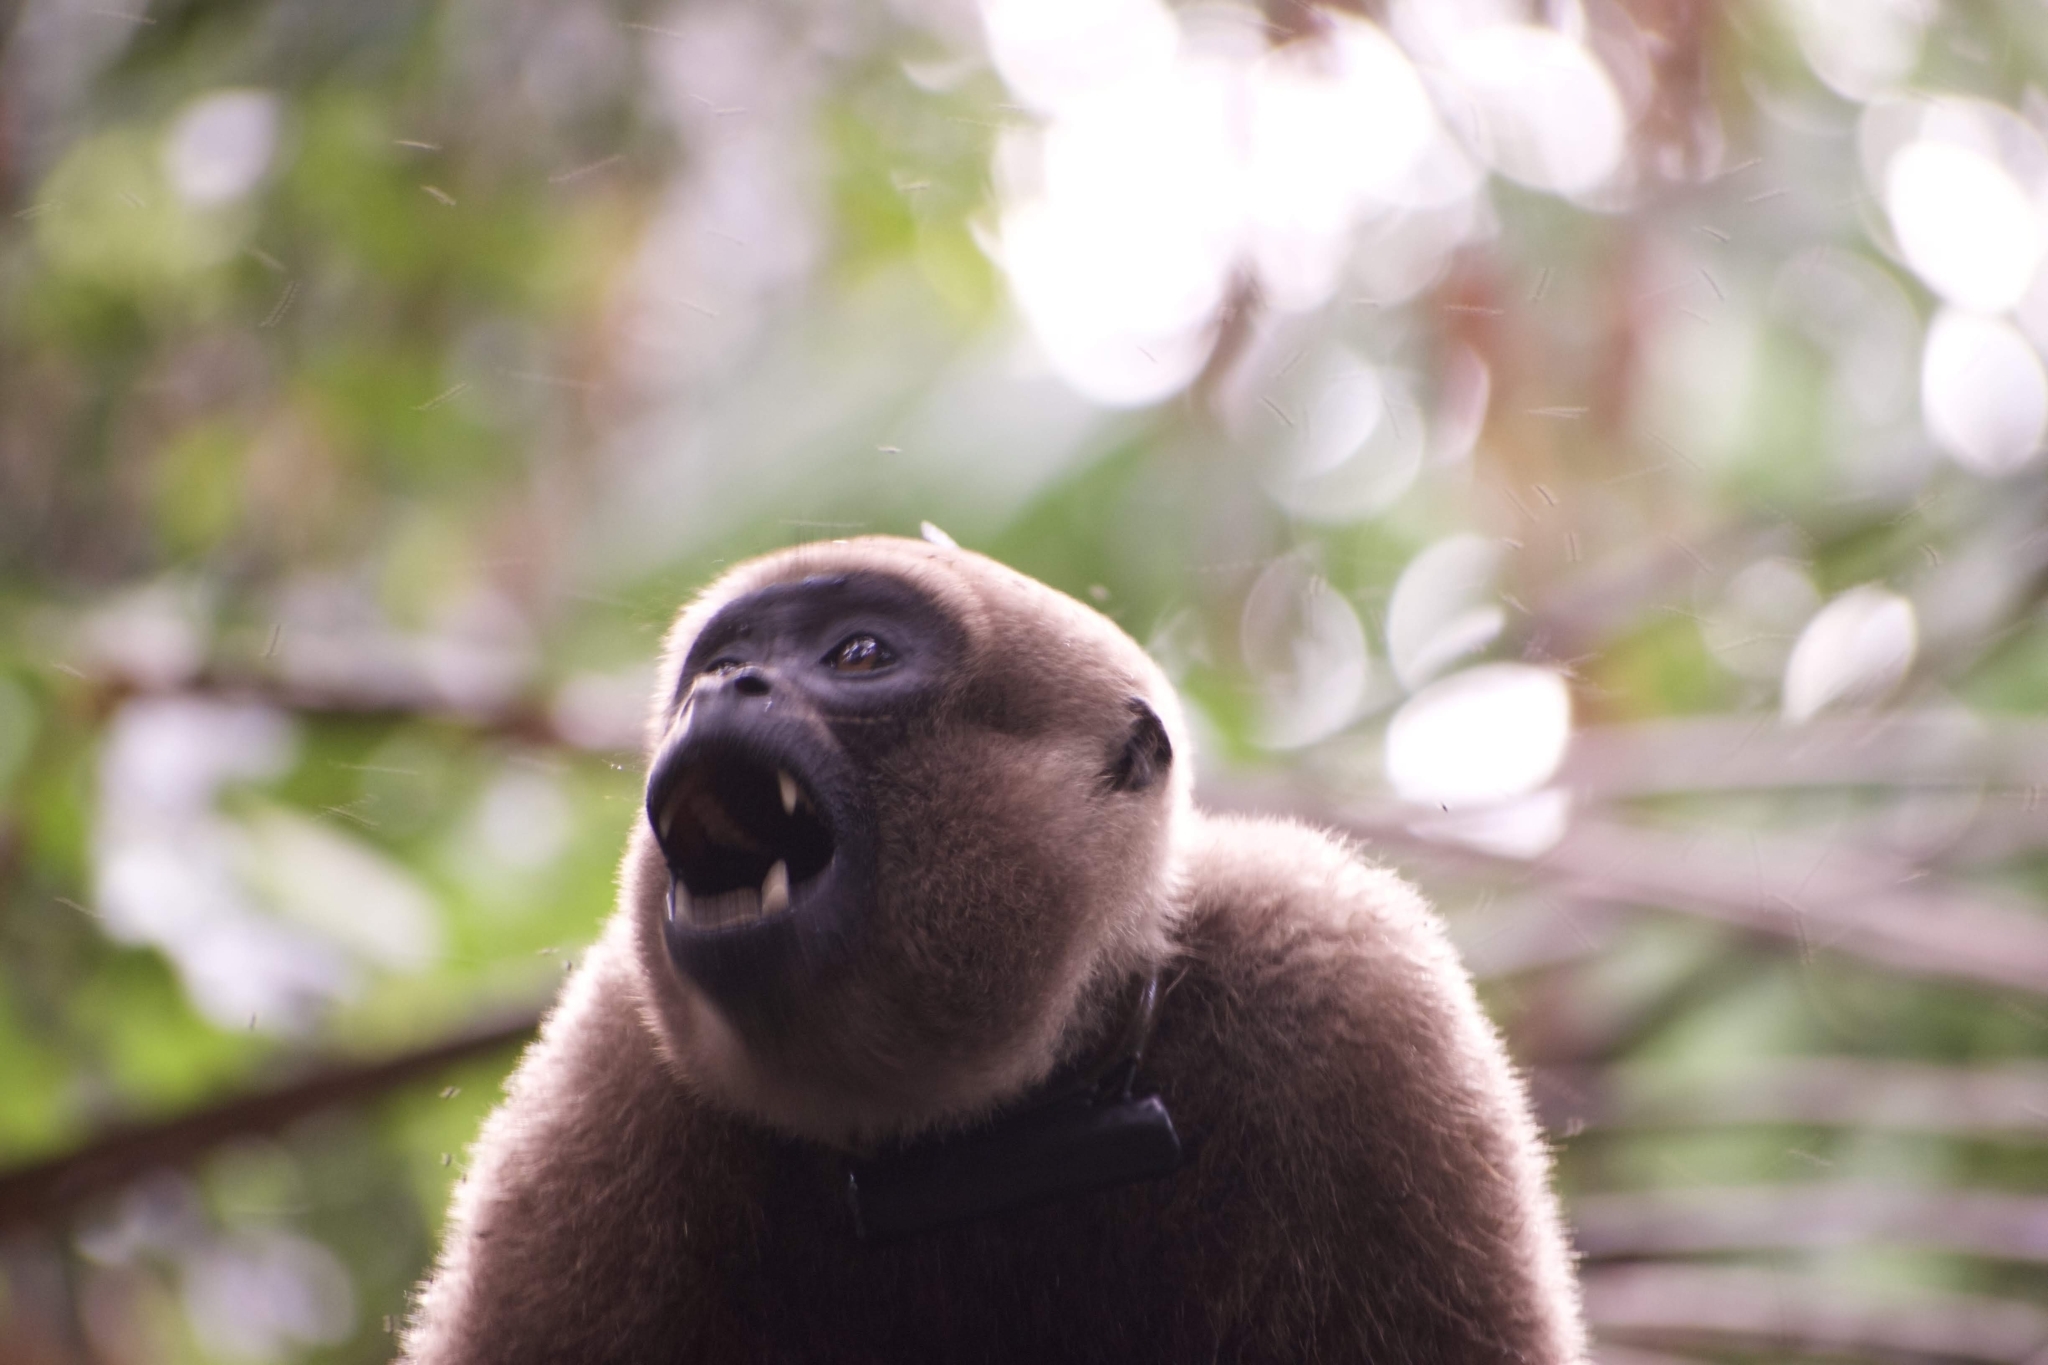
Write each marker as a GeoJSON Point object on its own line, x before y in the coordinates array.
{"type": "Point", "coordinates": [1338, 1086]}
{"type": "Point", "coordinates": [1299, 920]}
{"type": "Point", "coordinates": [588, 1191]}
{"type": "Point", "coordinates": [1321, 985]}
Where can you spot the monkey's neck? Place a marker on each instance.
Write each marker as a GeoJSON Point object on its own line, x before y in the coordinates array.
{"type": "Point", "coordinates": [1083, 1129]}
{"type": "Point", "coordinates": [1111, 1067]}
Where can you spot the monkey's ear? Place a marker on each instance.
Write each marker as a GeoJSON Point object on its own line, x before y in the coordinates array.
{"type": "Point", "coordinates": [1146, 753]}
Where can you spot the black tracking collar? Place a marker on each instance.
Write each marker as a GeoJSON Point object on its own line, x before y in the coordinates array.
{"type": "Point", "coordinates": [1083, 1130]}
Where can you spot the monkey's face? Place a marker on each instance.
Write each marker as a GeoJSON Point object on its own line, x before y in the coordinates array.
{"type": "Point", "coordinates": [760, 796]}
{"type": "Point", "coordinates": [904, 806]}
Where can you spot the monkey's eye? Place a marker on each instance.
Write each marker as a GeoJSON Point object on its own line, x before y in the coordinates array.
{"type": "Point", "coordinates": [720, 668]}
{"type": "Point", "coordinates": [859, 654]}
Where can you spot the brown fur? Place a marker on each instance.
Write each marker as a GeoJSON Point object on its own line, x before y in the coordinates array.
{"type": "Point", "coordinates": [1364, 1182]}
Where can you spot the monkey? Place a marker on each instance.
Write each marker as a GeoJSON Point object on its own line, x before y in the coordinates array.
{"type": "Point", "coordinates": [936, 1023]}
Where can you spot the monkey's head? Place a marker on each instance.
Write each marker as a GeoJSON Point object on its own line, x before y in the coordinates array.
{"type": "Point", "coordinates": [909, 831]}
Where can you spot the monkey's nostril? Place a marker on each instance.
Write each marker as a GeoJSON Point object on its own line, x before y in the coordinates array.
{"type": "Point", "coordinates": [751, 683]}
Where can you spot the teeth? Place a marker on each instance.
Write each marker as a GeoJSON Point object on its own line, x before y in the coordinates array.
{"type": "Point", "coordinates": [726, 908]}
{"type": "Point", "coordinates": [775, 889]}
{"type": "Point", "coordinates": [741, 905]}
{"type": "Point", "coordinates": [790, 794]}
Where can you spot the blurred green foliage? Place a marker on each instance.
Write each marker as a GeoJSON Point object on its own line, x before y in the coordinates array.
{"type": "Point", "coordinates": [523, 325]}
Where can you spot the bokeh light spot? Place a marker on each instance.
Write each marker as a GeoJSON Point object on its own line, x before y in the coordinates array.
{"type": "Point", "coordinates": [1983, 392]}
{"type": "Point", "coordinates": [221, 145]}
{"type": "Point", "coordinates": [1536, 107]}
{"type": "Point", "coordinates": [1855, 649]}
{"type": "Point", "coordinates": [1056, 52]}
{"type": "Point", "coordinates": [1479, 737]}
{"type": "Point", "coordinates": [1964, 224]}
{"type": "Point", "coordinates": [1442, 607]}
{"type": "Point", "coordinates": [1305, 645]}
{"type": "Point", "coordinates": [1859, 47]}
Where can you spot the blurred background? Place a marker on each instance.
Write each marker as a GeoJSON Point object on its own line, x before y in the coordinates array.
{"type": "Point", "coordinates": [1589, 450]}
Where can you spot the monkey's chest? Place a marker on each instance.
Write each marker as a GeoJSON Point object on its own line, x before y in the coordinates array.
{"type": "Point", "coordinates": [1090, 1277]}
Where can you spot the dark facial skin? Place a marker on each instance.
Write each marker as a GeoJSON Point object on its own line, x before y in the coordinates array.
{"type": "Point", "coordinates": [759, 797]}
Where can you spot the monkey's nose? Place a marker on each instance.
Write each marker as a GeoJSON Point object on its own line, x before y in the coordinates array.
{"type": "Point", "coordinates": [751, 682]}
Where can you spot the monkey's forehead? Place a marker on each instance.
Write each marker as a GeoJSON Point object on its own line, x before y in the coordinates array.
{"type": "Point", "coordinates": [991, 602]}
{"type": "Point", "coordinates": [945, 578]}
{"type": "Point", "coordinates": [1010, 621]}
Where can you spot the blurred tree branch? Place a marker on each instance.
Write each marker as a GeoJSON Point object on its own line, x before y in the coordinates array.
{"type": "Point", "coordinates": [2008, 1101]}
{"type": "Point", "coordinates": [50, 1190]}
{"type": "Point", "coordinates": [1811, 894]}
{"type": "Point", "coordinates": [1732, 753]}
{"type": "Point", "coordinates": [1701, 1306]}
{"type": "Point", "coordinates": [1995, 1225]}
{"type": "Point", "coordinates": [394, 699]}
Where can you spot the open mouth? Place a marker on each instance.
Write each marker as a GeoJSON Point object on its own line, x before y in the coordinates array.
{"type": "Point", "coordinates": [742, 837]}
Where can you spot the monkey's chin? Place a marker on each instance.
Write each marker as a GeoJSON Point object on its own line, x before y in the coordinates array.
{"type": "Point", "coordinates": [765, 837]}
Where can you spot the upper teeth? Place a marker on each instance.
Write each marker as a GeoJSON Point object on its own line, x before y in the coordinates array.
{"type": "Point", "coordinates": [790, 793]}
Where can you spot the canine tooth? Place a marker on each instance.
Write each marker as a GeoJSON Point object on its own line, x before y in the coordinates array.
{"type": "Point", "coordinates": [775, 889]}
{"type": "Point", "coordinates": [789, 791]}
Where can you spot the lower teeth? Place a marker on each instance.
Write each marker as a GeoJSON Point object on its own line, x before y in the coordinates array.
{"type": "Point", "coordinates": [741, 905]}
{"type": "Point", "coordinates": [727, 907]}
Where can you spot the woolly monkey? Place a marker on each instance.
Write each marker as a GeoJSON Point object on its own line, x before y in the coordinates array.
{"type": "Point", "coordinates": [936, 1024]}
